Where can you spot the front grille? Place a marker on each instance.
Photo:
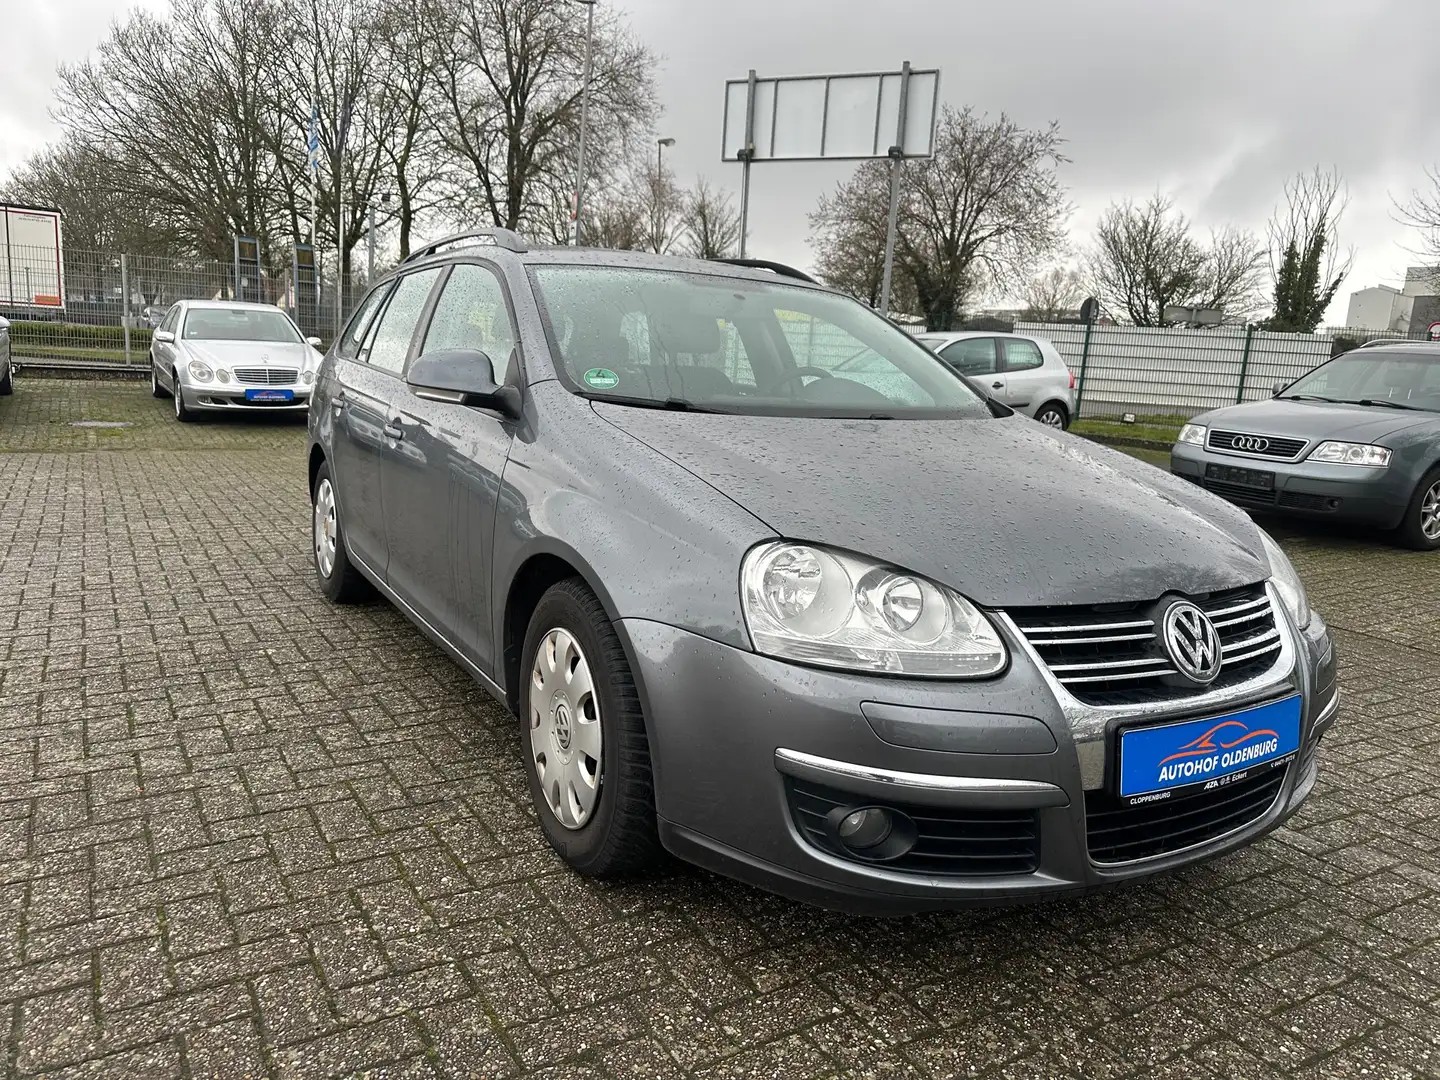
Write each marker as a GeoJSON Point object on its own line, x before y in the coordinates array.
{"type": "Point", "coordinates": [1273, 446]}
{"type": "Point", "coordinates": [960, 842]}
{"type": "Point", "coordinates": [1117, 833]}
{"type": "Point", "coordinates": [1111, 654]}
{"type": "Point", "coordinates": [1239, 492]}
{"type": "Point", "coordinates": [277, 376]}
{"type": "Point", "coordinates": [1302, 501]}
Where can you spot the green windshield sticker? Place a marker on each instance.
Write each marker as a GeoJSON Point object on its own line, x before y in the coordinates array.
{"type": "Point", "coordinates": [602, 378]}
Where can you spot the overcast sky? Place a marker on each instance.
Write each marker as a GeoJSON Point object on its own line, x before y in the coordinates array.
{"type": "Point", "coordinates": [1214, 102]}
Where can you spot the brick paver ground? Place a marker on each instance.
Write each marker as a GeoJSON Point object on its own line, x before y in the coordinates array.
{"type": "Point", "coordinates": [247, 834]}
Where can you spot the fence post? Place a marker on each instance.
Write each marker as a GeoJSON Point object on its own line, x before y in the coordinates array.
{"type": "Point", "coordinates": [1245, 363]}
{"type": "Point", "coordinates": [125, 303]}
{"type": "Point", "coordinates": [1084, 360]}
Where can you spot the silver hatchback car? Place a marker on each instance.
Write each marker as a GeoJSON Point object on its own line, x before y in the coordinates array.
{"type": "Point", "coordinates": [1027, 373]}
{"type": "Point", "coordinates": [218, 355]}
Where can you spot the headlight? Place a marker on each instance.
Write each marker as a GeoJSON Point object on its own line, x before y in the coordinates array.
{"type": "Point", "coordinates": [307, 377]}
{"type": "Point", "coordinates": [1349, 453]}
{"type": "Point", "coordinates": [818, 606]}
{"type": "Point", "coordinates": [200, 371]}
{"type": "Point", "coordinates": [1287, 582]}
{"type": "Point", "coordinates": [1194, 434]}
{"type": "Point", "coordinates": [222, 374]}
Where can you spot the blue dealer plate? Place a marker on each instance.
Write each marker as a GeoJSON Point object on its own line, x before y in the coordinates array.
{"type": "Point", "coordinates": [269, 395]}
{"type": "Point", "coordinates": [1208, 752]}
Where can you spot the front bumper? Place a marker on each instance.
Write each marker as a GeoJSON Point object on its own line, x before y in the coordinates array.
{"type": "Point", "coordinates": [230, 397]}
{"type": "Point", "coordinates": [1376, 497]}
{"type": "Point", "coordinates": [737, 738]}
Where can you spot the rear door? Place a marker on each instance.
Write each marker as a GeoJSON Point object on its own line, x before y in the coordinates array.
{"type": "Point", "coordinates": [1025, 375]}
{"type": "Point", "coordinates": [980, 359]}
{"type": "Point", "coordinates": [368, 381]}
{"type": "Point", "coordinates": [441, 481]}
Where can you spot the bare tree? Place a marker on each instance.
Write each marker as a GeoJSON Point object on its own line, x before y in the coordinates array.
{"type": "Point", "coordinates": [1054, 294]}
{"type": "Point", "coordinates": [1422, 212]}
{"type": "Point", "coordinates": [712, 223]}
{"type": "Point", "coordinates": [985, 209]}
{"type": "Point", "coordinates": [662, 206]}
{"type": "Point", "coordinates": [98, 212]}
{"type": "Point", "coordinates": [1232, 280]}
{"type": "Point", "coordinates": [1306, 264]}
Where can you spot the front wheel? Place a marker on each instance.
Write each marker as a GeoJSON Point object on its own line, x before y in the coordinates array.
{"type": "Point", "coordinates": [586, 753]}
{"type": "Point", "coordinates": [182, 413]}
{"type": "Point", "coordinates": [1420, 528]}
{"type": "Point", "coordinates": [1053, 415]}
{"type": "Point", "coordinates": [7, 380]}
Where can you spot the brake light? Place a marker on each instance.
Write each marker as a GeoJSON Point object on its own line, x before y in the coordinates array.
{"type": "Point", "coordinates": [1072, 380]}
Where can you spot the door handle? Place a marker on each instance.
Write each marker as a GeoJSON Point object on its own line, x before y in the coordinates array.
{"type": "Point", "coordinates": [998, 385]}
{"type": "Point", "coordinates": [393, 430]}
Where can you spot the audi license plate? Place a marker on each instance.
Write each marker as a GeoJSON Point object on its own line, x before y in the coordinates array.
{"type": "Point", "coordinates": [1231, 474]}
{"type": "Point", "coordinates": [1157, 762]}
{"type": "Point", "coordinates": [269, 395]}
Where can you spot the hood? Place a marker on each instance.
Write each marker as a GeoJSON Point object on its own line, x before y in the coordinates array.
{"type": "Point", "coordinates": [1008, 512]}
{"type": "Point", "coordinates": [229, 354]}
{"type": "Point", "coordinates": [1317, 420]}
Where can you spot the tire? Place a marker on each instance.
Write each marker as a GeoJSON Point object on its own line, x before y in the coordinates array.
{"type": "Point", "coordinates": [182, 414]}
{"type": "Point", "coordinates": [616, 835]}
{"type": "Point", "coordinates": [343, 583]}
{"type": "Point", "coordinates": [156, 390]}
{"type": "Point", "coordinates": [1420, 528]}
{"type": "Point", "coordinates": [7, 380]}
{"type": "Point", "coordinates": [1053, 414]}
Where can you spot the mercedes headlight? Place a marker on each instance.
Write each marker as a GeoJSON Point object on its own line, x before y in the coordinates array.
{"type": "Point", "coordinates": [1287, 583]}
{"type": "Point", "coordinates": [1346, 453]}
{"type": "Point", "coordinates": [200, 371]}
{"type": "Point", "coordinates": [818, 606]}
{"type": "Point", "coordinates": [1194, 434]}
{"type": "Point", "coordinates": [307, 376]}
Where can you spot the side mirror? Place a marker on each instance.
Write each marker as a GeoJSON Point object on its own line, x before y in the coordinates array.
{"type": "Point", "coordinates": [163, 336]}
{"type": "Point", "coordinates": [1277, 388]}
{"type": "Point", "coordinates": [313, 342]}
{"type": "Point", "coordinates": [462, 377]}
{"type": "Point", "coordinates": [4, 323]}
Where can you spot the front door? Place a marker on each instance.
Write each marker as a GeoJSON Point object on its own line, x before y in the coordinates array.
{"type": "Point", "coordinates": [442, 482]}
{"type": "Point", "coordinates": [979, 358]}
{"type": "Point", "coordinates": [1024, 374]}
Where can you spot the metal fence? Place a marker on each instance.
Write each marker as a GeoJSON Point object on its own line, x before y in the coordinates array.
{"type": "Point", "coordinates": [101, 306]}
{"type": "Point", "coordinates": [1178, 372]}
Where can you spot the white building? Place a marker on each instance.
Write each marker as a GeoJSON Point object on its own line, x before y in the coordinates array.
{"type": "Point", "coordinates": [1380, 308]}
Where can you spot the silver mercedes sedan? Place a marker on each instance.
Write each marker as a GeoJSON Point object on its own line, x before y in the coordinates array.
{"type": "Point", "coordinates": [214, 355]}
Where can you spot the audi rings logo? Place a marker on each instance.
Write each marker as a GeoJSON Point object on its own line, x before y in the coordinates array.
{"type": "Point", "coordinates": [1192, 642]}
{"type": "Point", "coordinates": [1254, 444]}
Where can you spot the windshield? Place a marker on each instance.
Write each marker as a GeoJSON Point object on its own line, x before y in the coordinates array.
{"type": "Point", "coordinates": [678, 340]}
{"type": "Point", "coordinates": [1400, 378]}
{"type": "Point", "coordinates": [239, 324]}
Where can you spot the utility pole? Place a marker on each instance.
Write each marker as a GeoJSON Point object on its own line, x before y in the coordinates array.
{"type": "Point", "coordinates": [584, 119]}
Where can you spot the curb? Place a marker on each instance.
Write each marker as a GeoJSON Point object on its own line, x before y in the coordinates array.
{"type": "Point", "coordinates": [28, 367]}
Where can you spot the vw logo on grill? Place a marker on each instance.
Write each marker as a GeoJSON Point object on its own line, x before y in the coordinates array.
{"type": "Point", "coordinates": [1255, 444]}
{"type": "Point", "coordinates": [1192, 642]}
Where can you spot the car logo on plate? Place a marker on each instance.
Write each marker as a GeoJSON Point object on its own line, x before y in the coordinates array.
{"type": "Point", "coordinates": [1255, 444]}
{"type": "Point", "coordinates": [1192, 642]}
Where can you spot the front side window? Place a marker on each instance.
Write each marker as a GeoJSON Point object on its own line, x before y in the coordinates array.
{"type": "Point", "coordinates": [972, 356]}
{"type": "Point", "coordinates": [471, 314]}
{"type": "Point", "coordinates": [1374, 375]}
{"type": "Point", "coordinates": [723, 344]}
{"type": "Point", "coordinates": [389, 344]}
{"type": "Point", "coordinates": [349, 343]}
{"type": "Point", "coordinates": [171, 318]}
{"type": "Point", "coordinates": [240, 324]}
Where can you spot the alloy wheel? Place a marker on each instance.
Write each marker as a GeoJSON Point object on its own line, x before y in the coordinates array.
{"type": "Point", "coordinates": [1052, 418]}
{"type": "Point", "coordinates": [1430, 512]}
{"type": "Point", "coordinates": [179, 405]}
{"type": "Point", "coordinates": [565, 734]}
{"type": "Point", "coordinates": [324, 529]}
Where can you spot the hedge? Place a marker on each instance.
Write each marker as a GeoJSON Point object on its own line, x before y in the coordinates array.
{"type": "Point", "coordinates": [77, 335]}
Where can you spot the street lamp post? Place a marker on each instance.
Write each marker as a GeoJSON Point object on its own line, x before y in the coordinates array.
{"type": "Point", "coordinates": [584, 118]}
{"type": "Point", "coordinates": [660, 145]}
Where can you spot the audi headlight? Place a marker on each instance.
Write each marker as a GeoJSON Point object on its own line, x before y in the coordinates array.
{"type": "Point", "coordinates": [818, 606]}
{"type": "Point", "coordinates": [1287, 582]}
{"type": "Point", "coordinates": [200, 371]}
{"type": "Point", "coordinates": [1349, 453]}
{"type": "Point", "coordinates": [1194, 434]}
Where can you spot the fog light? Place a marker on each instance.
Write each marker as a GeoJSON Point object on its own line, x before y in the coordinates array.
{"type": "Point", "coordinates": [864, 829]}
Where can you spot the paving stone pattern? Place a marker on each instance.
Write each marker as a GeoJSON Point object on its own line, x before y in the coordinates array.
{"type": "Point", "coordinates": [246, 834]}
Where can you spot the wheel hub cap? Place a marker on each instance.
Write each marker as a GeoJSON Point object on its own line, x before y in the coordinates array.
{"type": "Point", "coordinates": [565, 732]}
{"type": "Point", "coordinates": [325, 528]}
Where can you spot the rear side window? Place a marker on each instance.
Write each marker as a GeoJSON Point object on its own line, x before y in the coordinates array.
{"type": "Point", "coordinates": [390, 343]}
{"type": "Point", "coordinates": [349, 344]}
{"type": "Point", "coordinates": [1021, 354]}
{"type": "Point", "coordinates": [972, 356]}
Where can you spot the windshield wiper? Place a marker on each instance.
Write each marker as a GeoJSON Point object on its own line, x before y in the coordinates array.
{"type": "Point", "coordinates": [673, 404]}
{"type": "Point", "coordinates": [1387, 404]}
{"type": "Point", "coordinates": [1310, 397]}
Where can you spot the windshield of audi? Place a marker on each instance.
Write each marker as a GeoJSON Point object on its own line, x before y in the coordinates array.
{"type": "Point", "coordinates": [1377, 378]}
{"type": "Point", "coordinates": [665, 339]}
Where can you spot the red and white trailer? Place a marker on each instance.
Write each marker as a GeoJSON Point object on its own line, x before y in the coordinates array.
{"type": "Point", "coordinates": [32, 262]}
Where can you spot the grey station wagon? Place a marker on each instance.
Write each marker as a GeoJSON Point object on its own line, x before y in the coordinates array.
{"type": "Point", "coordinates": [770, 587]}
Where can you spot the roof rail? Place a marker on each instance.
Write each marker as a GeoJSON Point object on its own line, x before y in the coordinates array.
{"type": "Point", "coordinates": [505, 238]}
{"type": "Point", "coordinates": [774, 267]}
{"type": "Point", "coordinates": [1379, 343]}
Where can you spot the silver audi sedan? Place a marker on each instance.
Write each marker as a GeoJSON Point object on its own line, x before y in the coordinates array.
{"type": "Point", "coordinates": [219, 356]}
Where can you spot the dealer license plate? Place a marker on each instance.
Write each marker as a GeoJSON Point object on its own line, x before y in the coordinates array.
{"type": "Point", "coordinates": [1156, 762]}
{"type": "Point", "coordinates": [269, 395]}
